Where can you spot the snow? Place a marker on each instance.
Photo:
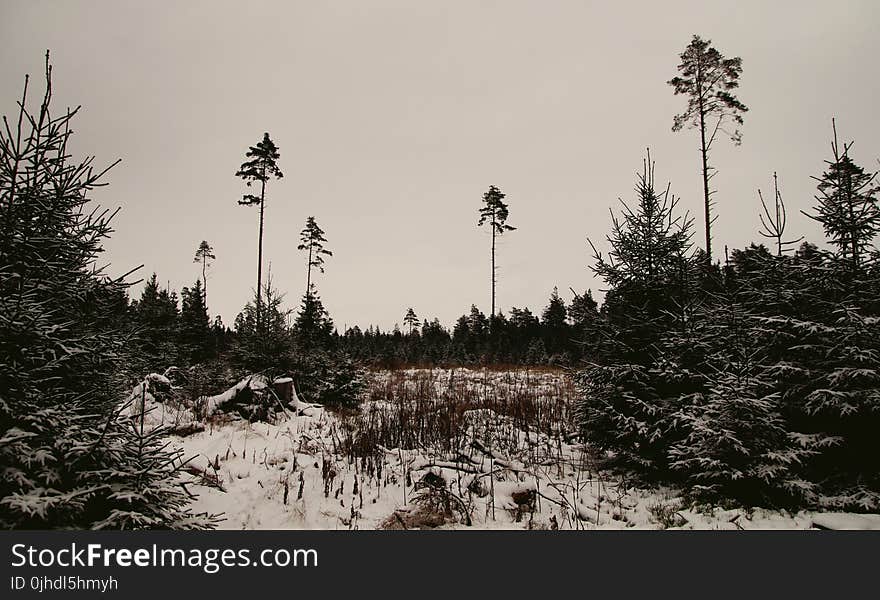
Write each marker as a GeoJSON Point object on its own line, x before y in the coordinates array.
{"type": "Point", "coordinates": [293, 474]}
{"type": "Point", "coordinates": [846, 521]}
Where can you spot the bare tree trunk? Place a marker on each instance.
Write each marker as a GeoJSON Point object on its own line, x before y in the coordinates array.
{"type": "Point", "coordinates": [309, 275]}
{"type": "Point", "coordinates": [260, 249]}
{"type": "Point", "coordinates": [204, 281]}
{"type": "Point", "coordinates": [493, 269]}
{"type": "Point", "coordinates": [704, 151]}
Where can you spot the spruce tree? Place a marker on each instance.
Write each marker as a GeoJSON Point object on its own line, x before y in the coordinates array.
{"type": "Point", "coordinates": [646, 267]}
{"type": "Point", "coordinates": [734, 441]}
{"type": "Point", "coordinates": [313, 325]}
{"type": "Point", "coordinates": [157, 317]}
{"type": "Point", "coordinates": [63, 441]}
{"type": "Point", "coordinates": [263, 345]}
{"type": "Point", "coordinates": [555, 326]}
{"type": "Point", "coordinates": [628, 395]}
{"type": "Point", "coordinates": [847, 206]}
{"type": "Point", "coordinates": [195, 331]}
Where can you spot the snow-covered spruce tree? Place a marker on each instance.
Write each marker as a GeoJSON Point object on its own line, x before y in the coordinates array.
{"type": "Point", "coordinates": [820, 343]}
{"type": "Point", "coordinates": [626, 398]}
{"type": "Point", "coordinates": [264, 345]}
{"type": "Point", "coordinates": [195, 338]}
{"type": "Point", "coordinates": [143, 480]}
{"type": "Point", "coordinates": [847, 206]}
{"type": "Point", "coordinates": [62, 441]}
{"type": "Point", "coordinates": [322, 371]}
{"type": "Point", "coordinates": [735, 441]}
{"type": "Point", "coordinates": [826, 364]}
{"type": "Point", "coordinates": [157, 319]}
{"type": "Point", "coordinates": [819, 315]}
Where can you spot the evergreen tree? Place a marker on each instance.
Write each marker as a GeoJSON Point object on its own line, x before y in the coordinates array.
{"type": "Point", "coordinates": [708, 79]}
{"type": "Point", "coordinates": [195, 332]}
{"type": "Point", "coordinates": [847, 206]}
{"type": "Point", "coordinates": [312, 240]}
{"type": "Point", "coordinates": [323, 372]}
{"type": "Point", "coordinates": [646, 268]}
{"type": "Point", "coordinates": [411, 320]}
{"type": "Point", "coordinates": [63, 443]}
{"type": "Point", "coordinates": [262, 166]}
{"type": "Point", "coordinates": [584, 310]}
{"type": "Point", "coordinates": [628, 397]}
{"type": "Point", "coordinates": [555, 326]}
{"type": "Point", "coordinates": [204, 255]}
{"type": "Point", "coordinates": [495, 212]}
{"type": "Point", "coordinates": [313, 326]}
{"type": "Point", "coordinates": [735, 442]}
{"type": "Point", "coordinates": [157, 316]}
{"type": "Point", "coordinates": [264, 345]}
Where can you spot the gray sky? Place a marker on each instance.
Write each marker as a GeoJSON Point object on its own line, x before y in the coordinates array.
{"type": "Point", "coordinates": [393, 118]}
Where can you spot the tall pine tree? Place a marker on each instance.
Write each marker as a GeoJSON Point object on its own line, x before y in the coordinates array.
{"type": "Point", "coordinates": [494, 212]}
{"type": "Point", "coordinates": [708, 79]}
{"type": "Point", "coordinates": [262, 166]}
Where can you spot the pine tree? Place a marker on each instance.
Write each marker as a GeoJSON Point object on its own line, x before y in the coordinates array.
{"type": "Point", "coordinates": [62, 439]}
{"type": "Point", "coordinates": [411, 320]}
{"type": "Point", "coordinates": [708, 79]}
{"type": "Point", "coordinates": [312, 240]}
{"type": "Point", "coordinates": [262, 166]}
{"type": "Point", "coordinates": [494, 212]}
{"type": "Point", "coordinates": [204, 255]}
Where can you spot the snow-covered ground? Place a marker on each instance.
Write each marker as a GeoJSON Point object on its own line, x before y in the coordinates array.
{"type": "Point", "coordinates": [304, 471]}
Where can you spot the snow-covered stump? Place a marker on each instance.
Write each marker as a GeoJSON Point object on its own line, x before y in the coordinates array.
{"type": "Point", "coordinates": [283, 387]}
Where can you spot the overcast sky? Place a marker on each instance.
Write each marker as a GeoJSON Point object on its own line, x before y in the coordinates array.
{"type": "Point", "coordinates": [393, 118]}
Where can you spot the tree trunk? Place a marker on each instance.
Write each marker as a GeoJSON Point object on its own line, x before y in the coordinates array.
{"type": "Point", "coordinates": [309, 276]}
{"type": "Point", "coordinates": [204, 281]}
{"type": "Point", "coordinates": [493, 268]}
{"type": "Point", "coordinates": [260, 249]}
{"type": "Point", "coordinates": [704, 151]}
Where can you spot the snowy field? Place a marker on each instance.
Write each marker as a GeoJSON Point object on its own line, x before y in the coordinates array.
{"type": "Point", "coordinates": [431, 448]}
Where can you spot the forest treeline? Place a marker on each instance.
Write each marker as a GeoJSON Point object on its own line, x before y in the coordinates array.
{"type": "Point", "coordinates": [177, 330]}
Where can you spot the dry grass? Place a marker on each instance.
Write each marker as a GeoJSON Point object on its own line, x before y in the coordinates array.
{"type": "Point", "coordinates": [434, 410]}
